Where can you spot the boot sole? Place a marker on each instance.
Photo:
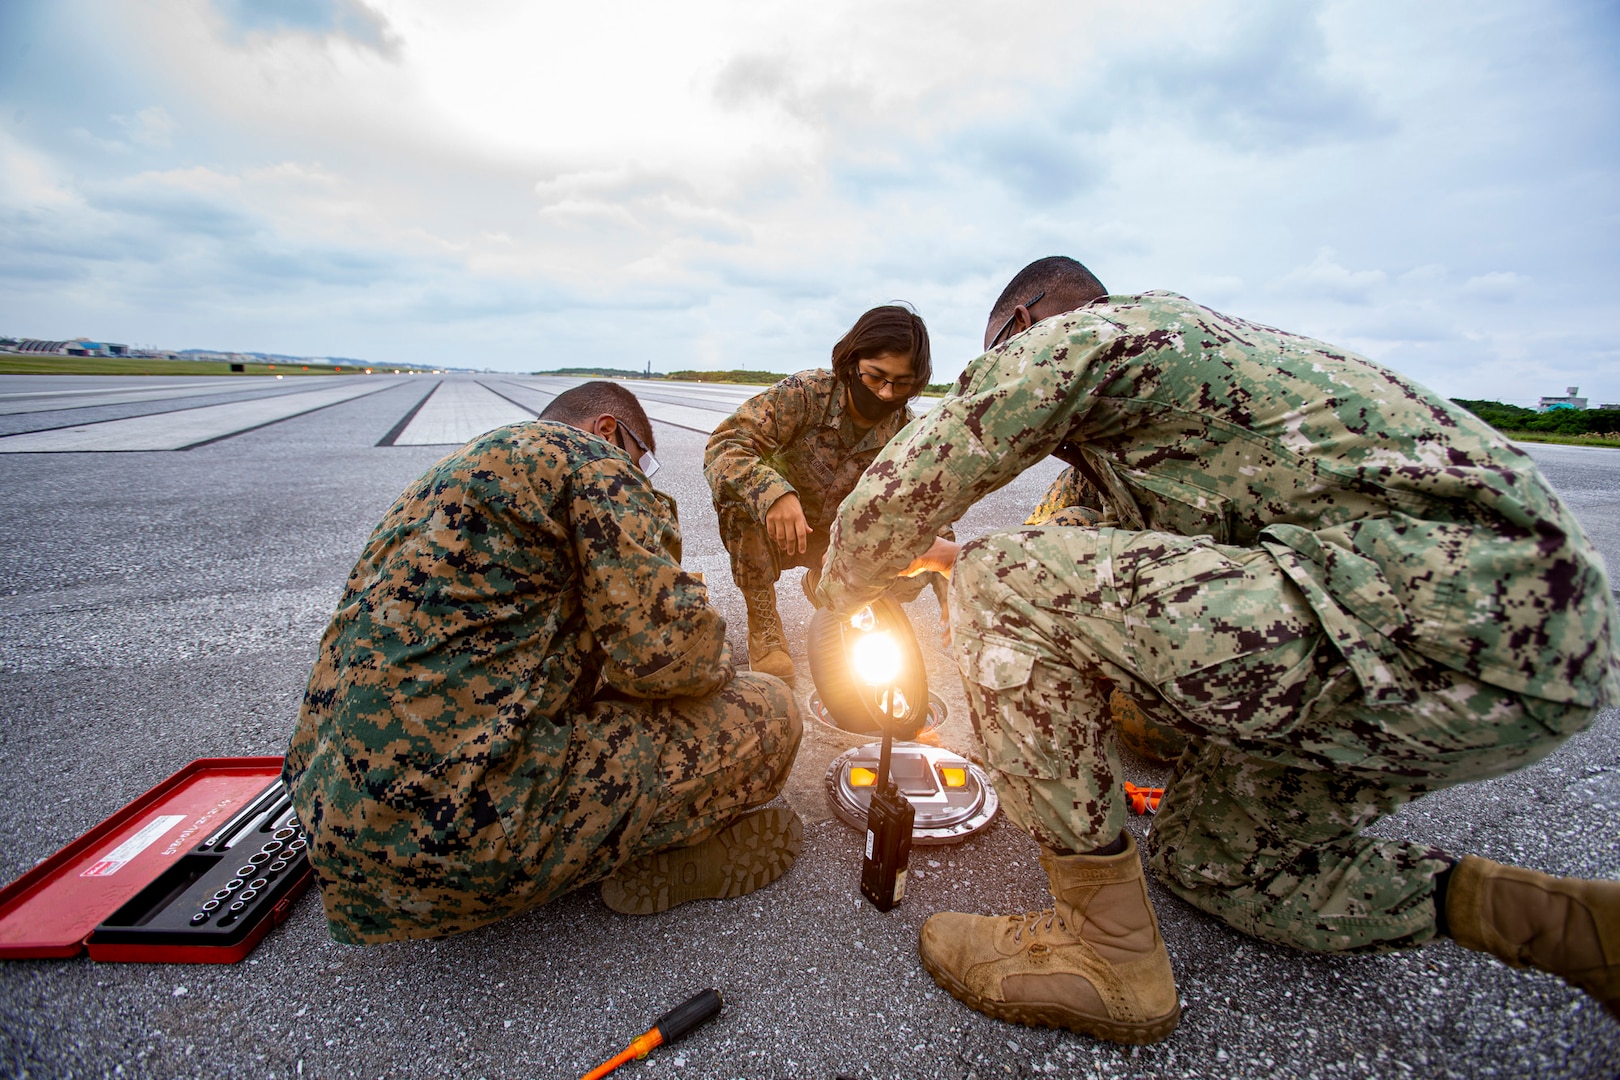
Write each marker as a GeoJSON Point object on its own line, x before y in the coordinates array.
{"type": "Point", "coordinates": [1056, 1015]}
{"type": "Point", "coordinates": [748, 854]}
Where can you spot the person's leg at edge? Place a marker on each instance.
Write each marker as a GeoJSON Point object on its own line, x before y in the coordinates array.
{"type": "Point", "coordinates": [1277, 851]}
{"type": "Point", "coordinates": [703, 840]}
{"type": "Point", "coordinates": [756, 565]}
{"type": "Point", "coordinates": [1095, 962]}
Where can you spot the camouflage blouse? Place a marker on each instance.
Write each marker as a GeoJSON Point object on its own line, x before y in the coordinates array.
{"type": "Point", "coordinates": [797, 436]}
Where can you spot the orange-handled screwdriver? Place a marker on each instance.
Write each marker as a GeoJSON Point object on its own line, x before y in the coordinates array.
{"type": "Point", "coordinates": [671, 1026]}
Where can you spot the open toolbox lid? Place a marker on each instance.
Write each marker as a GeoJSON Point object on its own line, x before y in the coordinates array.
{"type": "Point", "coordinates": [52, 909]}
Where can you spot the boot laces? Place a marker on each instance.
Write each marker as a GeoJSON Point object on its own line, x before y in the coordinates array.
{"type": "Point", "coordinates": [771, 638]}
{"type": "Point", "coordinates": [764, 622]}
{"type": "Point", "coordinates": [1036, 923]}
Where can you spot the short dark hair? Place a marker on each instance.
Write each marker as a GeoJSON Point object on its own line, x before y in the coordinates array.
{"type": "Point", "coordinates": [581, 404]}
{"type": "Point", "coordinates": [887, 329]}
{"type": "Point", "coordinates": [1053, 274]}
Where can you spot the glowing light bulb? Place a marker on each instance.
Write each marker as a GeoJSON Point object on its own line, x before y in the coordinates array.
{"type": "Point", "coordinates": [876, 659]}
{"type": "Point", "coordinates": [901, 707]}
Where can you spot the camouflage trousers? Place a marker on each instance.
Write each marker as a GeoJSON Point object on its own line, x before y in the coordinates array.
{"type": "Point", "coordinates": [1285, 765]}
{"type": "Point", "coordinates": [756, 561]}
{"type": "Point", "coordinates": [639, 776]}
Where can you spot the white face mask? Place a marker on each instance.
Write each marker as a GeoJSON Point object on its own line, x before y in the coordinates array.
{"type": "Point", "coordinates": [646, 461]}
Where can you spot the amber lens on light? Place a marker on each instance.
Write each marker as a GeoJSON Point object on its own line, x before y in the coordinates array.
{"type": "Point", "coordinates": [953, 777]}
{"type": "Point", "coordinates": [859, 777]}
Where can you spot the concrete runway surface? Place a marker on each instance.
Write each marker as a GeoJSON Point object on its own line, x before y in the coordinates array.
{"type": "Point", "coordinates": [160, 604]}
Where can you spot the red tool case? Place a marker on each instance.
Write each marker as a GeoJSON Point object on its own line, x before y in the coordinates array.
{"type": "Point", "coordinates": [195, 871]}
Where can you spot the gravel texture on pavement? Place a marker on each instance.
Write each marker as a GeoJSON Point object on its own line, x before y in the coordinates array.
{"type": "Point", "coordinates": [160, 607]}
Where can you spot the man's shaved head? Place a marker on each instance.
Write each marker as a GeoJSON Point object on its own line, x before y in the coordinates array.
{"type": "Point", "coordinates": [584, 403]}
{"type": "Point", "coordinates": [1066, 283]}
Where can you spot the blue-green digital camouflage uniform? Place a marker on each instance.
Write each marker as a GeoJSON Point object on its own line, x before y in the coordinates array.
{"type": "Point", "coordinates": [1074, 500]}
{"type": "Point", "coordinates": [1345, 590]}
{"type": "Point", "coordinates": [521, 690]}
{"type": "Point", "coordinates": [796, 437]}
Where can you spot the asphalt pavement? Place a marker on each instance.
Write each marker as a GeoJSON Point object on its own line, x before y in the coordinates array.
{"type": "Point", "coordinates": [161, 606]}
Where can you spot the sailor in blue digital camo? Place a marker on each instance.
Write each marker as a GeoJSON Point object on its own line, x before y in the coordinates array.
{"type": "Point", "coordinates": [521, 690]}
{"type": "Point", "coordinates": [791, 453]}
{"type": "Point", "coordinates": [1343, 590]}
{"type": "Point", "coordinates": [1073, 500]}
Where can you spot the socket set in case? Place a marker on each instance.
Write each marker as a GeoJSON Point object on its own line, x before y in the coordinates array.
{"type": "Point", "coordinates": [139, 887]}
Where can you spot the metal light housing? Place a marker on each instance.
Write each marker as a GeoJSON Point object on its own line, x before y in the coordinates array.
{"type": "Point", "coordinates": [869, 664]}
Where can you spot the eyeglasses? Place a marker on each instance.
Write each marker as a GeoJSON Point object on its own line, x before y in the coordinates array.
{"type": "Point", "coordinates": [1006, 326]}
{"type": "Point", "coordinates": [878, 382]}
{"type": "Point", "coordinates": [648, 463]}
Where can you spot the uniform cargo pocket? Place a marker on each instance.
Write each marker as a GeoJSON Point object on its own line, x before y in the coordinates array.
{"type": "Point", "coordinates": [994, 662]}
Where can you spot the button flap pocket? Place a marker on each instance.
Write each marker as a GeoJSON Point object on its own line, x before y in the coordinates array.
{"type": "Point", "coordinates": [995, 662]}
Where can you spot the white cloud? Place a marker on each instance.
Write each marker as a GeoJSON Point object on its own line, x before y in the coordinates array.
{"type": "Point", "coordinates": [1324, 278]}
{"type": "Point", "coordinates": [152, 126]}
{"type": "Point", "coordinates": [738, 181]}
{"type": "Point", "coordinates": [1497, 285]}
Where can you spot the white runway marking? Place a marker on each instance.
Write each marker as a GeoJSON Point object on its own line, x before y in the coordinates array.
{"type": "Point", "coordinates": [459, 411]}
{"type": "Point", "coordinates": [696, 406]}
{"type": "Point", "coordinates": [47, 400]}
{"type": "Point", "coordinates": [184, 428]}
{"type": "Point", "coordinates": [704, 420]}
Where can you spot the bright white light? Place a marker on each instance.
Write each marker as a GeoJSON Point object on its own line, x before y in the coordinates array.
{"type": "Point", "coordinates": [863, 620]}
{"type": "Point", "coordinates": [876, 658]}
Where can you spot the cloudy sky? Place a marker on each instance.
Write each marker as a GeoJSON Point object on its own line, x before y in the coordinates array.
{"type": "Point", "coordinates": [525, 185]}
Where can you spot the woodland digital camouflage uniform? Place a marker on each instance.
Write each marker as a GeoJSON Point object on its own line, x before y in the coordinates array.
{"type": "Point", "coordinates": [1345, 590]}
{"type": "Point", "coordinates": [794, 438]}
{"type": "Point", "coordinates": [1070, 491]}
{"type": "Point", "coordinates": [521, 690]}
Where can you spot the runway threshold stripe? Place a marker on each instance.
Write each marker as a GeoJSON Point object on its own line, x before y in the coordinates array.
{"type": "Point", "coordinates": [703, 421]}
{"type": "Point", "coordinates": [459, 411]}
{"type": "Point", "coordinates": [182, 429]}
{"type": "Point", "coordinates": [405, 421]}
{"type": "Point", "coordinates": [57, 401]}
{"type": "Point", "coordinates": [698, 418]}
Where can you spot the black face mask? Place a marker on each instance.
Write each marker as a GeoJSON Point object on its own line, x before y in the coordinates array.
{"type": "Point", "coordinates": [869, 404]}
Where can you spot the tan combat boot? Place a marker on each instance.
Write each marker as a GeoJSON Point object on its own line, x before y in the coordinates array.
{"type": "Point", "coordinates": [748, 854]}
{"type": "Point", "coordinates": [1093, 963]}
{"type": "Point", "coordinates": [1567, 926]}
{"type": "Point", "coordinates": [767, 645]}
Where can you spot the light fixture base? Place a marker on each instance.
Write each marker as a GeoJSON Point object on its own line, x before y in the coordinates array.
{"type": "Point", "coordinates": [947, 812]}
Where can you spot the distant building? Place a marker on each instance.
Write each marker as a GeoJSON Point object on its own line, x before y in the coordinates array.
{"type": "Point", "coordinates": [49, 348]}
{"type": "Point", "coordinates": [1571, 400]}
{"type": "Point", "coordinates": [76, 347]}
{"type": "Point", "coordinates": [97, 348]}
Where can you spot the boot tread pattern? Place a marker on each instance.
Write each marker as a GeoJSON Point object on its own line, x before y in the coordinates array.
{"type": "Point", "coordinates": [746, 855]}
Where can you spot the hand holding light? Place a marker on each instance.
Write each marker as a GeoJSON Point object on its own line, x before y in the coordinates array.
{"type": "Point", "coordinates": [940, 558]}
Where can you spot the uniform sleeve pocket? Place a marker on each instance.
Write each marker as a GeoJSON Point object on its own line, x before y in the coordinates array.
{"type": "Point", "coordinates": [994, 662]}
